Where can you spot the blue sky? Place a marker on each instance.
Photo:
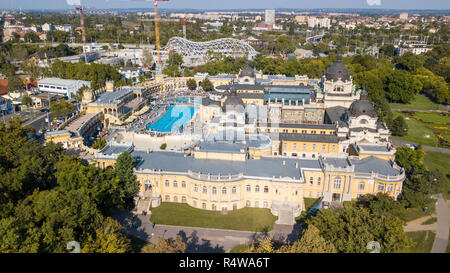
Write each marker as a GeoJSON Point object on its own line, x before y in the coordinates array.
{"type": "Point", "coordinates": [230, 4]}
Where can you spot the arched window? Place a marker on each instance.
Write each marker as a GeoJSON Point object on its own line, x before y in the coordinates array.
{"type": "Point", "coordinates": [167, 198]}
{"type": "Point", "coordinates": [247, 203]}
{"type": "Point", "coordinates": [183, 184]}
{"type": "Point", "coordinates": [364, 121]}
{"type": "Point", "coordinates": [256, 188]}
{"type": "Point", "coordinates": [205, 189]}
{"type": "Point", "coordinates": [175, 184]}
{"type": "Point", "coordinates": [175, 198]}
{"type": "Point", "coordinates": [214, 207]}
{"type": "Point", "coordinates": [183, 199]}
{"type": "Point", "coordinates": [266, 189]}
{"type": "Point", "coordinates": [249, 189]}
{"type": "Point", "coordinates": [337, 183]}
{"type": "Point", "coordinates": [311, 180]}
{"type": "Point", "coordinates": [319, 180]}
{"type": "Point", "coordinates": [265, 204]}
{"type": "Point", "coordinates": [167, 183]}
{"type": "Point", "coordinates": [195, 188]}
{"type": "Point", "coordinates": [224, 190]}
{"type": "Point", "coordinates": [233, 190]}
{"type": "Point", "coordinates": [214, 190]}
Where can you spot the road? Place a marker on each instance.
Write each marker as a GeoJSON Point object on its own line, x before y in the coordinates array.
{"type": "Point", "coordinates": [399, 142]}
{"type": "Point", "coordinates": [442, 230]}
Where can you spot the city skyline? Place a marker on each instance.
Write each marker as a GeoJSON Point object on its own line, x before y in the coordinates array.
{"type": "Point", "coordinates": [231, 4]}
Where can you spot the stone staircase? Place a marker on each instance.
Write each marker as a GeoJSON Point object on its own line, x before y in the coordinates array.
{"type": "Point", "coordinates": [285, 216]}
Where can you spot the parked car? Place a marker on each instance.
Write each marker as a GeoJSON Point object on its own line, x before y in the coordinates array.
{"type": "Point", "coordinates": [411, 146]}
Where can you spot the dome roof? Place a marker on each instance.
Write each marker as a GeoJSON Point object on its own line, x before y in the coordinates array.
{"type": "Point", "coordinates": [362, 107]}
{"type": "Point", "coordinates": [232, 102]}
{"type": "Point", "coordinates": [337, 71]}
{"type": "Point", "coordinates": [247, 72]}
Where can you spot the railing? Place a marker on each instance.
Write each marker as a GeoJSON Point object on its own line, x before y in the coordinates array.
{"type": "Point", "coordinates": [209, 177]}
{"type": "Point", "coordinates": [380, 176]}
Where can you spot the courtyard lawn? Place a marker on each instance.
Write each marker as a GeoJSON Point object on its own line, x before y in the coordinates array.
{"type": "Point", "coordinates": [424, 240]}
{"type": "Point", "coordinates": [440, 162]}
{"type": "Point", "coordinates": [433, 117]}
{"type": "Point", "coordinates": [248, 219]}
{"type": "Point", "coordinates": [417, 131]}
{"type": "Point", "coordinates": [410, 214]}
{"type": "Point", "coordinates": [419, 102]}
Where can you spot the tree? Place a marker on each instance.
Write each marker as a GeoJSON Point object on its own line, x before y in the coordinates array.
{"type": "Point", "coordinates": [15, 83]}
{"type": "Point", "coordinates": [351, 228]}
{"type": "Point", "coordinates": [127, 180]}
{"type": "Point", "coordinates": [99, 143]}
{"type": "Point", "coordinates": [27, 101]}
{"type": "Point", "coordinates": [388, 50]}
{"type": "Point", "coordinates": [107, 239]}
{"type": "Point", "coordinates": [61, 108]}
{"type": "Point", "coordinates": [401, 86]}
{"type": "Point", "coordinates": [175, 59]}
{"type": "Point", "coordinates": [207, 85]}
{"type": "Point", "coordinates": [191, 84]}
{"type": "Point", "coordinates": [165, 246]}
{"type": "Point", "coordinates": [399, 126]}
{"type": "Point", "coordinates": [264, 245]}
{"type": "Point", "coordinates": [409, 158]}
{"type": "Point", "coordinates": [409, 62]}
{"type": "Point", "coordinates": [310, 242]}
{"type": "Point", "coordinates": [147, 58]}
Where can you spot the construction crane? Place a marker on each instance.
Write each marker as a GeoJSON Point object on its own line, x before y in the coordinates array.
{"type": "Point", "coordinates": [183, 21]}
{"type": "Point", "coordinates": [83, 33]}
{"type": "Point", "coordinates": [158, 44]}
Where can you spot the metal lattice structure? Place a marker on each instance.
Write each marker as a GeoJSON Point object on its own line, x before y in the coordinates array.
{"type": "Point", "coordinates": [196, 53]}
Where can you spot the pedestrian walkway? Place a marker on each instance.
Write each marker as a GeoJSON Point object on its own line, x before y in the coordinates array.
{"type": "Point", "coordinates": [442, 230]}
{"type": "Point", "coordinates": [399, 142]}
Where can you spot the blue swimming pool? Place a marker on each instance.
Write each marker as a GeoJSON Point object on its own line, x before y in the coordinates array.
{"type": "Point", "coordinates": [174, 118]}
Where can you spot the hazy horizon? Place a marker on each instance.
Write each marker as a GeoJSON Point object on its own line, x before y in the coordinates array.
{"type": "Point", "coordinates": [232, 4]}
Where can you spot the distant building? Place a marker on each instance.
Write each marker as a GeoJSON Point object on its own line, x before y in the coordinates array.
{"type": "Point", "coordinates": [415, 47]}
{"type": "Point", "coordinates": [319, 22]}
{"type": "Point", "coordinates": [61, 86]}
{"type": "Point", "coordinates": [270, 17]}
{"type": "Point", "coordinates": [403, 16]}
{"type": "Point", "coordinates": [48, 27]}
{"type": "Point", "coordinates": [132, 73]}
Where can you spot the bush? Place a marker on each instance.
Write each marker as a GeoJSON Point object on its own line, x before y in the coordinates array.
{"type": "Point", "coordinates": [163, 146]}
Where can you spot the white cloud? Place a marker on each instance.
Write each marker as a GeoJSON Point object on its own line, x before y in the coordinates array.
{"type": "Point", "coordinates": [73, 2]}
{"type": "Point", "coordinates": [374, 2]}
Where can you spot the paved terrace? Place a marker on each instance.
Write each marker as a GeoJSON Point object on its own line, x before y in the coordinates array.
{"type": "Point", "coordinates": [76, 125]}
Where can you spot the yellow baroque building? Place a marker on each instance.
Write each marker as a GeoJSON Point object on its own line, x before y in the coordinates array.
{"type": "Point", "coordinates": [217, 181]}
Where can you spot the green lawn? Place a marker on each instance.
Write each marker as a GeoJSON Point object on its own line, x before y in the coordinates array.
{"type": "Point", "coordinates": [440, 162]}
{"type": "Point", "coordinates": [423, 239]}
{"type": "Point", "coordinates": [417, 131]}
{"type": "Point", "coordinates": [430, 221]}
{"type": "Point", "coordinates": [240, 248]}
{"type": "Point", "coordinates": [433, 117]}
{"type": "Point", "coordinates": [420, 102]}
{"type": "Point", "coordinates": [248, 219]}
{"type": "Point", "coordinates": [309, 202]}
{"type": "Point", "coordinates": [410, 214]}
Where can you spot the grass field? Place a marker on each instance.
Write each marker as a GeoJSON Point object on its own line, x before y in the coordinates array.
{"type": "Point", "coordinates": [419, 102]}
{"type": "Point", "coordinates": [248, 219]}
{"type": "Point", "coordinates": [430, 221]}
{"type": "Point", "coordinates": [417, 131]}
{"type": "Point", "coordinates": [433, 117]}
{"type": "Point", "coordinates": [423, 239]}
{"type": "Point", "coordinates": [309, 202]}
{"type": "Point", "coordinates": [239, 248]}
{"type": "Point", "coordinates": [440, 162]}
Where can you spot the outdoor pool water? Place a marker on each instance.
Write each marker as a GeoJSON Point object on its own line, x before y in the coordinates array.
{"type": "Point", "coordinates": [174, 118]}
